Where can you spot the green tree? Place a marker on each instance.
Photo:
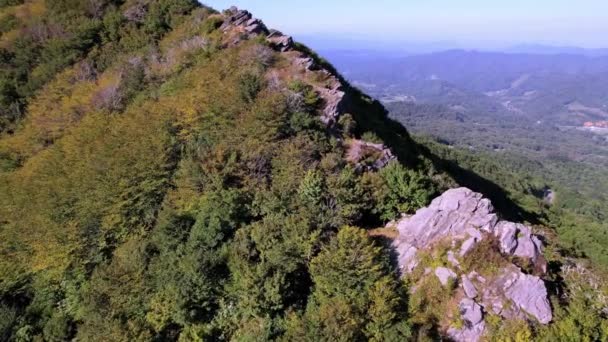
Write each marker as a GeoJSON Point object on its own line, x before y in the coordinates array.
{"type": "Point", "coordinates": [354, 295]}
{"type": "Point", "coordinates": [402, 191]}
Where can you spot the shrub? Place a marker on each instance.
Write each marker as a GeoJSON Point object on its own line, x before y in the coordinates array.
{"type": "Point", "coordinates": [249, 86]}
{"type": "Point", "coordinates": [309, 95]}
{"type": "Point", "coordinates": [312, 188]}
{"type": "Point", "coordinates": [6, 3]}
{"type": "Point", "coordinates": [347, 125]}
{"type": "Point", "coordinates": [211, 24]}
{"type": "Point", "coordinates": [7, 23]}
{"type": "Point", "coordinates": [402, 191]}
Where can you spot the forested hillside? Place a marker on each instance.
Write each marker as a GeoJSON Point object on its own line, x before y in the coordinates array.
{"type": "Point", "coordinates": [172, 173]}
{"type": "Point", "coordinates": [515, 119]}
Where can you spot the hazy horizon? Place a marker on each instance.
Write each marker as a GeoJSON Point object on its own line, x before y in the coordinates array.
{"type": "Point", "coordinates": [467, 24]}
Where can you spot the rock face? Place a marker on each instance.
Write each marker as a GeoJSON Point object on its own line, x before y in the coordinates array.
{"type": "Point", "coordinates": [245, 22]}
{"type": "Point", "coordinates": [241, 22]}
{"type": "Point", "coordinates": [527, 292]}
{"type": "Point", "coordinates": [458, 213]}
{"type": "Point", "coordinates": [283, 42]}
{"type": "Point", "coordinates": [474, 325]}
{"type": "Point", "coordinates": [359, 151]}
{"type": "Point", "coordinates": [240, 25]}
{"type": "Point", "coordinates": [468, 287]}
{"type": "Point", "coordinates": [464, 215]}
{"type": "Point", "coordinates": [461, 218]}
{"type": "Point", "coordinates": [517, 239]}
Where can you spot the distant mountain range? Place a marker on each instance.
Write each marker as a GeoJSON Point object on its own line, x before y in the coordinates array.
{"type": "Point", "coordinates": [401, 47]}
{"type": "Point", "coordinates": [563, 89]}
{"type": "Point", "coordinates": [556, 50]}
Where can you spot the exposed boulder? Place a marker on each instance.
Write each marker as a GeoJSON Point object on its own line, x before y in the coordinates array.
{"type": "Point", "coordinates": [455, 214]}
{"type": "Point", "coordinates": [463, 215]}
{"type": "Point", "coordinates": [527, 292]}
{"type": "Point", "coordinates": [281, 41]}
{"type": "Point", "coordinates": [474, 325]}
{"type": "Point", "coordinates": [244, 21]}
{"type": "Point", "coordinates": [468, 245]}
{"type": "Point", "coordinates": [444, 275]}
{"type": "Point", "coordinates": [470, 311]}
{"type": "Point", "coordinates": [452, 259]}
{"type": "Point", "coordinates": [407, 259]}
{"type": "Point", "coordinates": [255, 26]}
{"type": "Point", "coordinates": [548, 196]}
{"type": "Point", "coordinates": [307, 63]}
{"type": "Point", "coordinates": [517, 239]}
{"type": "Point", "coordinates": [359, 151]}
{"type": "Point", "coordinates": [457, 222]}
{"type": "Point", "coordinates": [334, 99]}
{"type": "Point", "coordinates": [468, 287]}
{"type": "Point", "coordinates": [506, 231]}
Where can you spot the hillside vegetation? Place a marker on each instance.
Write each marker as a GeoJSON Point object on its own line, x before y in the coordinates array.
{"type": "Point", "coordinates": [166, 175]}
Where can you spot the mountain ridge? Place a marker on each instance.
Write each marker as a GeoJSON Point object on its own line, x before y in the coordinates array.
{"type": "Point", "coordinates": [193, 175]}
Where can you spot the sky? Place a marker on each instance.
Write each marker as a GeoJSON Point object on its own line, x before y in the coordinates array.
{"type": "Point", "coordinates": [582, 23]}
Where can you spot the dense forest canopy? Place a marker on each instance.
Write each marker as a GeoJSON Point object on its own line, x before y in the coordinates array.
{"type": "Point", "coordinates": [165, 179]}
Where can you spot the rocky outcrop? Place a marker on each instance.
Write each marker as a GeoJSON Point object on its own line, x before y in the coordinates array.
{"type": "Point", "coordinates": [279, 40]}
{"type": "Point", "coordinates": [239, 23]}
{"type": "Point", "coordinates": [463, 215]}
{"type": "Point", "coordinates": [244, 20]}
{"type": "Point", "coordinates": [461, 219]}
{"type": "Point", "coordinates": [360, 152]}
{"type": "Point", "coordinates": [517, 239]}
{"type": "Point", "coordinates": [527, 292]}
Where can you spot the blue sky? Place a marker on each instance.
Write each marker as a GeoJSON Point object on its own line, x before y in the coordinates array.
{"type": "Point", "coordinates": [474, 22]}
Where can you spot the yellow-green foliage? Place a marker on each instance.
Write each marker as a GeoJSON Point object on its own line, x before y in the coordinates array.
{"type": "Point", "coordinates": [485, 258]}
{"type": "Point", "coordinates": [510, 331]}
{"type": "Point", "coordinates": [429, 302]}
{"type": "Point", "coordinates": [159, 182]}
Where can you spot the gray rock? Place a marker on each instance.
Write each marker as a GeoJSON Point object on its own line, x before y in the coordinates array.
{"type": "Point", "coordinates": [255, 26]}
{"type": "Point", "coordinates": [467, 246]}
{"type": "Point", "coordinates": [360, 150]}
{"type": "Point", "coordinates": [281, 41]}
{"type": "Point", "coordinates": [474, 233]}
{"type": "Point", "coordinates": [306, 62]}
{"type": "Point", "coordinates": [240, 18]}
{"type": "Point", "coordinates": [469, 289]}
{"type": "Point", "coordinates": [449, 215]}
{"type": "Point", "coordinates": [507, 234]}
{"type": "Point", "coordinates": [470, 311]}
{"type": "Point", "coordinates": [549, 196]}
{"type": "Point", "coordinates": [497, 306]}
{"type": "Point", "coordinates": [407, 259]}
{"type": "Point", "coordinates": [528, 246]}
{"type": "Point", "coordinates": [517, 239]}
{"type": "Point", "coordinates": [452, 259]}
{"type": "Point", "coordinates": [527, 292]}
{"type": "Point", "coordinates": [444, 275]}
{"type": "Point", "coordinates": [463, 216]}
{"type": "Point", "coordinates": [474, 325]}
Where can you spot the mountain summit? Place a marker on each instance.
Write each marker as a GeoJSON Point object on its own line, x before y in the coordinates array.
{"type": "Point", "coordinates": [172, 173]}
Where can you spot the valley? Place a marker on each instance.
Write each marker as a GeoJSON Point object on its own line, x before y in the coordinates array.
{"type": "Point", "coordinates": [174, 172]}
